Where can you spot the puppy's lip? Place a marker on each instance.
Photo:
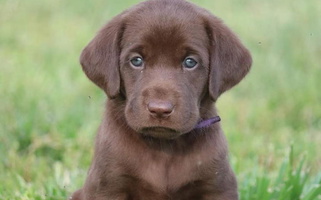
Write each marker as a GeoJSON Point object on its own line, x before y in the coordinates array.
{"type": "Point", "coordinates": [160, 132]}
{"type": "Point", "coordinates": [159, 128]}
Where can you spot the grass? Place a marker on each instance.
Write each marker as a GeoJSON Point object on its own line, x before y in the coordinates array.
{"type": "Point", "coordinates": [291, 182]}
{"type": "Point", "coordinates": [49, 111]}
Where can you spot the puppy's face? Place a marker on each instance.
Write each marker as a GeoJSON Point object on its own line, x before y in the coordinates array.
{"type": "Point", "coordinates": [164, 69]}
{"type": "Point", "coordinates": [165, 57]}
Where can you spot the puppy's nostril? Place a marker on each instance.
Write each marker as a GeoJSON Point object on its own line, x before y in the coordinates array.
{"type": "Point", "coordinates": [160, 109]}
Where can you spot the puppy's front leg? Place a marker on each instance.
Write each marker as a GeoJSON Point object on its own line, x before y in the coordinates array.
{"type": "Point", "coordinates": [227, 195]}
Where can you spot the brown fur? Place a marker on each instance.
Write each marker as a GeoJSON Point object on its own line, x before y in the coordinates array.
{"type": "Point", "coordinates": [146, 147]}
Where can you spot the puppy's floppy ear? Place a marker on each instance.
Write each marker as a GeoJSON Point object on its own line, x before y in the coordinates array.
{"type": "Point", "coordinates": [230, 61]}
{"type": "Point", "coordinates": [100, 58]}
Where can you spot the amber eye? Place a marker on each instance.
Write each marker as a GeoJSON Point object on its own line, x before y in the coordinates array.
{"type": "Point", "coordinates": [137, 61]}
{"type": "Point", "coordinates": [189, 63]}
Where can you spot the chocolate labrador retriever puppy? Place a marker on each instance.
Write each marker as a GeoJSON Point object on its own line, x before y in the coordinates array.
{"type": "Point", "coordinates": [163, 64]}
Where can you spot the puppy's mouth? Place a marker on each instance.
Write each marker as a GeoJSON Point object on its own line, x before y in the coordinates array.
{"type": "Point", "coordinates": [160, 132]}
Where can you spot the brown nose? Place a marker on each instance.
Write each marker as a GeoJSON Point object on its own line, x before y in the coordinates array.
{"type": "Point", "coordinates": [160, 109]}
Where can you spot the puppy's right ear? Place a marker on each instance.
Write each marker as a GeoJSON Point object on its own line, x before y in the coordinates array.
{"type": "Point", "coordinates": [230, 59]}
{"type": "Point", "coordinates": [100, 58]}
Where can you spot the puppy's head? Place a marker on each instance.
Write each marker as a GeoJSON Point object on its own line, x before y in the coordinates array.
{"type": "Point", "coordinates": [165, 57]}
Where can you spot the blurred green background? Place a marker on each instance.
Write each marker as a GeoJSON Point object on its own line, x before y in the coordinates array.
{"type": "Point", "coordinates": [50, 111]}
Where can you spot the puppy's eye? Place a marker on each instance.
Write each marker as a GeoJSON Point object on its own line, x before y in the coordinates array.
{"type": "Point", "coordinates": [189, 63]}
{"type": "Point", "coordinates": [137, 61]}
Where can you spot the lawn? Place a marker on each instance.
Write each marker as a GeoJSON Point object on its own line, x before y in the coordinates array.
{"type": "Point", "coordinates": [49, 110]}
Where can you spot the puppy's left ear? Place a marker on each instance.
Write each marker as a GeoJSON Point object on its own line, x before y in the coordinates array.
{"type": "Point", "coordinates": [230, 61]}
{"type": "Point", "coordinates": [100, 58]}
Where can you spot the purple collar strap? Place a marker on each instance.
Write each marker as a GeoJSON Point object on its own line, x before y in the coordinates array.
{"type": "Point", "coordinates": [207, 122]}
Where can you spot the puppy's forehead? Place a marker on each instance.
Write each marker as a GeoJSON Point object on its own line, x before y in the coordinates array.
{"type": "Point", "coordinates": [168, 31]}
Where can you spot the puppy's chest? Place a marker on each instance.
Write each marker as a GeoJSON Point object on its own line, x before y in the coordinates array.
{"type": "Point", "coordinates": [170, 174]}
